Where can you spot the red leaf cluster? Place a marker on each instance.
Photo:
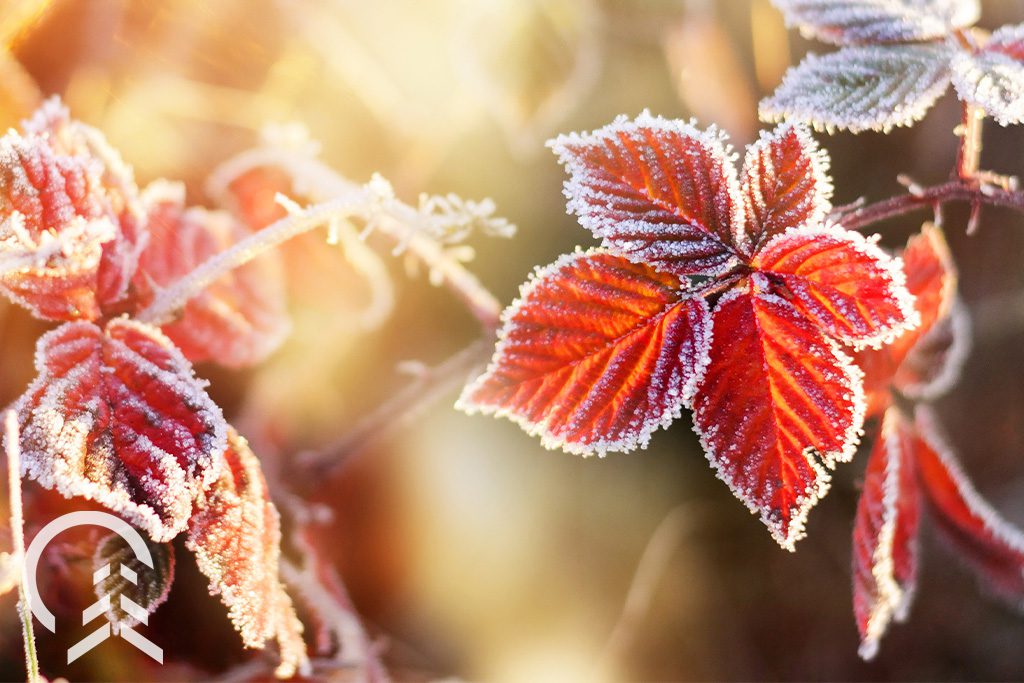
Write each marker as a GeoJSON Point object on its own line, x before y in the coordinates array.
{"type": "Point", "coordinates": [714, 290]}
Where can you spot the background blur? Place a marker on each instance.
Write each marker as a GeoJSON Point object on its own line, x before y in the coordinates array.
{"type": "Point", "coordinates": [476, 553]}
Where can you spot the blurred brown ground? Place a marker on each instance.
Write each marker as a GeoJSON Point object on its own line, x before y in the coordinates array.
{"type": "Point", "coordinates": [476, 552]}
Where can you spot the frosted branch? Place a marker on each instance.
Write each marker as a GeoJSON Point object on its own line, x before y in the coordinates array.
{"type": "Point", "coordinates": [425, 232]}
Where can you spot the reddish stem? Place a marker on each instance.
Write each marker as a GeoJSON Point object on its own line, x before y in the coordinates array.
{"type": "Point", "coordinates": [953, 191]}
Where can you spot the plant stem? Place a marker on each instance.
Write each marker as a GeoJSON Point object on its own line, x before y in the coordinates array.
{"type": "Point", "coordinates": [970, 129]}
{"type": "Point", "coordinates": [18, 538]}
{"type": "Point", "coordinates": [923, 198]}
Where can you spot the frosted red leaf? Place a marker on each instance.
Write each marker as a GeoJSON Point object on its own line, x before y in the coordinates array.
{"type": "Point", "coordinates": [53, 231]}
{"type": "Point", "coordinates": [68, 137]}
{"type": "Point", "coordinates": [842, 282]}
{"type": "Point", "coordinates": [238, 320]}
{"type": "Point", "coordinates": [657, 191]}
{"type": "Point", "coordinates": [923, 361]}
{"type": "Point", "coordinates": [885, 532]}
{"type": "Point", "coordinates": [853, 22]}
{"type": "Point", "coordinates": [235, 534]}
{"type": "Point", "coordinates": [116, 416]}
{"type": "Point", "coordinates": [978, 534]}
{"type": "Point", "coordinates": [785, 184]}
{"type": "Point", "coordinates": [597, 353]}
{"type": "Point", "coordinates": [779, 405]}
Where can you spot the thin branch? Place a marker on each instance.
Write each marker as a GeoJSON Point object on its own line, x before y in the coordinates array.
{"type": "Point", "coordinates": [927, 197]}
{"type": "Point", "coordinates": [428, 386]}
{"type": "Point", "coordinates": [18, 537]}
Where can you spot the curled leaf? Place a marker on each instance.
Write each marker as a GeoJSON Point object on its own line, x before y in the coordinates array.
{"type": "Point", "coordinates": [885, 533]}
{"type": "Point", "coordinates": [924, 361]}
{"type": "Point", "coordinates": [121, 573]}
{"type": "Point", "coordinates": [236, 537]}
{"type": "Point", "coordinates": [780, 404]}
{"type": "Point", "coordinates": [656, 191]}
{"type": "Point", "coordinates": [862, 88]}
{"type": "Point", "coordinates": [597, 354]}
{"type": "Point", "coordinates": [116, 415]}
{"type": "Point", "coordinates": [238, 320]}
{"type": "Point", "coordinates": [974, 530]}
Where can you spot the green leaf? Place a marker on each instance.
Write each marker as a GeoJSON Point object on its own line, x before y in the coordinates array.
{"type": "Point", "coordinates": [862, 88]}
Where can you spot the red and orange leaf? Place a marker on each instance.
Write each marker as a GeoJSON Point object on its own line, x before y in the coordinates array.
{"type": "Point", "coordinates": [979, 535]}
{"type": "Point", "coordinates": [236, 537]}
{"type": "Point", "coordinates": [238, 320]}
{"type": "Point", "coordinates": [785, 185]}
{"type": "Point", "coordinates": [923, 361]}
{"type": "Point", "coordinates": [844, 283]}
{"type": "Point", "coordinates": [657, 191]}
{"type": "Point", "coordinates": [597, 354]}
{"type": "Point", "coordinates": [885, 533]}
{"type": "Point", "coordinates": [778, 405]}
{"type": "Point", "coordinates": [117, 416]}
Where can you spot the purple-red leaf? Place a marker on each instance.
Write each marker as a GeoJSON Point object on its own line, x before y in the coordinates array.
{"type": "Point", "coordinates": [779, 405]}
{"type": "Point", "coordinates": [117, 416]}
{"type": "Point", "coordinates": [597, 354]}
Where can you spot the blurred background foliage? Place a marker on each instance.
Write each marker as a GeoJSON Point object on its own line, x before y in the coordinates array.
{"type": "Point", "coordinates": [470, 549]}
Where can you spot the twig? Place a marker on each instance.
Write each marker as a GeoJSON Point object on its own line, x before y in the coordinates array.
{"type": "Point", "coordinates": [429, 385]}
{"type": "Point", "coordinates": [927, 197]}
{"type": "Point", "coordinates": [18, 537]}
{"type": "Point", "coordinates": [408, 227]}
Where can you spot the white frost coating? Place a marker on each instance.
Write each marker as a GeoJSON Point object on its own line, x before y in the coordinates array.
{"type": "Point", "coordinates": [993, 79]}
{"type": "Point", "coordinates": [647, 229]}
{"type": "Point", "coordinates": [956, 325]}
{"type": "Point", "coordinates": [889, 268]}
{"type": "Point", "coordinates": [846, 22]}
{"type": "Point", "coordinates": [862, 88]}
{"type": "Point", "coordinates": [55, 437]}
{"type": "Point", "coordinates": [853, 380]}
{"type": "Point", "coordinates": [417, 231]}
{"type": "Point", "coordinates": [640, 434]}
{"type": "Point", "coordinates": [892, 600]}
{"type": "Point", "coordinates": [757, 162]}
{"type": "Point", "coordinates": [932, 434]}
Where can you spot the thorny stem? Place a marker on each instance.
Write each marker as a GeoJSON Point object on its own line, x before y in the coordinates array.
{"type": "Point", "coordinates": [928, 197]}
{"type": "Point", "coordinates": [18, 538]}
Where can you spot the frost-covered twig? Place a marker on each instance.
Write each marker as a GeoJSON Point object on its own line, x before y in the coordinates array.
{"type": "Point", "coordinates": [12, 443]}
{"type": "Point", "coordinates": [429, 385]}
{"type": "Point", "coordinates": [425, 232]}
